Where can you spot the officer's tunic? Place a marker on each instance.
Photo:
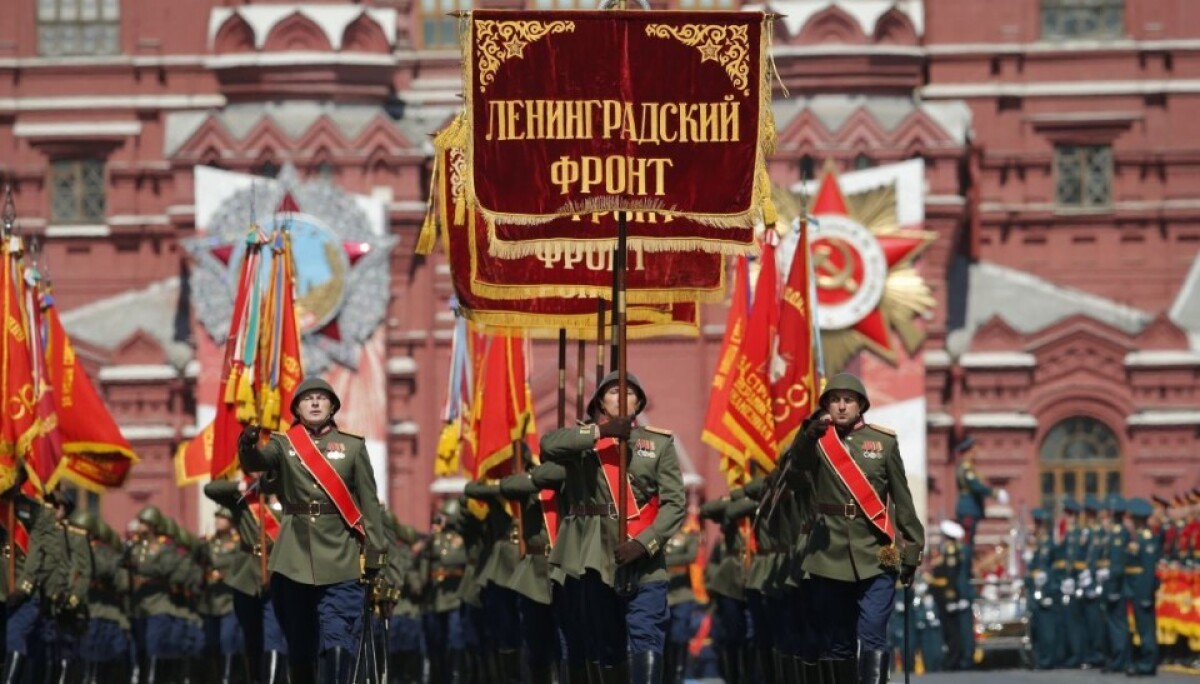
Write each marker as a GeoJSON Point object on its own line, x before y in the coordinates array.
{"type": "Point", "coordinates": [315, 563]}
{"type": "Point", "coordinates": [843, 549]}
{"type": "Point", "coordinates": [1042, 588]}
{"type": "Point", "coordinates": [1111, 578]}
{"type": "Point", "coordinates": [587, 537]}
{"type": "Point", "coordinates": [1140, 587]}
{"type": "Point", "coordinates": [108, 626]}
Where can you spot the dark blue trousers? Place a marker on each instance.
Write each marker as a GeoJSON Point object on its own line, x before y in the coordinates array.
{"type": "Point", "coordinates": [641, 618]}
{"type": "Point", "coordinates": [568, 605]}
{"type": "Point", "coordinates": [318, 618]}
{"type": "Point", "coordinates": [732, 626]}
{"type": "Point", "coordinates": [680, 631]}
{"type": "Point", "coordinates": [104, 642]}
{"type": "Point", "coordinates": [152, 636]}
{"type": "Point", "coordinates": [404, 634]}
{"type": "Point", "coordinates": [539, 632]}
{"type": "Point", "coordinates": [854, 612]}
{"type": "Point", "coordinates": [501, 618]}
{"type": "Point", "coordinates": [23, 636]}
{"type": "Point", "coordinates": [444, 632]}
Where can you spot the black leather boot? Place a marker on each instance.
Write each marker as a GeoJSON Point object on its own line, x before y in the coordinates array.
{"type": "Point", "coordinates": [845, 671]}
{"type": "Point", "coordinates": [810, 673]}
{"type": "Point", "coordinates": [458, 669]}
{"type": "Point", "coordinates": [646, 668]}
{"type": "Point", "coordinates": [873, 667]}
{"type": "Point", "coordinates": [13, 666]}
{"type": "Point", "coordinates": [614, 674]}
{"type": "Point", "coordinates": [540, 674]}
{"type": "Point", "coordinates": [510, 666]}
{"type": "Point", "coordinates": [272, 668]}
{"type": "Point", "coordinates": [302, 673]}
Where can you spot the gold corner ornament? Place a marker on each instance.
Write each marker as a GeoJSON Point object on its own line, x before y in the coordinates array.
{"type": "Point", "coordinates": [867, 287]}
{"type": "Point", "coordinates": [498, 41]}
{"type": "Point", "coordinates": [728, 46]}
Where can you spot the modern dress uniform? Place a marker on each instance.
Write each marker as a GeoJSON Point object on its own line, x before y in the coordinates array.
{"type": "Point", "coordinates": [1140, 587]}
{"type": "Point", "coordinates": [320, 554]}
{"type": "Point", "coordinates": [531, 576]}
{"type": "Point", "coordinates": [266, 648]}
{"type": "Point", "coordinates": [972, 492]}
{"type": "Point", "coordinates": [1074, 559]}
{"type": "Point", "coordinates": [854, 564]}
{"type": "Point", "coordinates": [627, 609]}
{"type": "Point", "coordinates": [1042, 587]}
{"type": "Point", "coordinates": [1096, 628]}
{"type": "Point", "coordinates": [1111, 578]}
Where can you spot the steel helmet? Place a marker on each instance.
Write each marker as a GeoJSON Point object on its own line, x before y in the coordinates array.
{"type": "Point", "coordinates": [846, 381]}
{"type": "Point", "coordinates": [593, 408]}
{"type": "Point", "coordinates": [318, 385]}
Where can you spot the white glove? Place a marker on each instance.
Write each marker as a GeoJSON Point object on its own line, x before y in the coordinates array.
{"type": "Point", "coordinates": [1002, 496]}
{"type": "Point", "coordinates": [1068, 586]}
{"type": "Point", "coordinates": [1028, 556]}
{"type": "Point", "coordinates": [927, 602]}
{"type": "Point", "coordinates": [964, 604]}
{"type": "Point", "coordinates": [1102, 575]}
{"type": "Point", "coordinates": [1039, 578]}
{"type": "Point", "coordinates": [1085, 579]}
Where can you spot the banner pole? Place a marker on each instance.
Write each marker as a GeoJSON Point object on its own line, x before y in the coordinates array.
{"type": "Point", "coordinates": [580, 361]}
{"type": "Point", "coordinates": [562, 377]}
{"type": "Point", "coordinates": [619, 332]}
{"type": "Point", "coordinates": [599, 341]}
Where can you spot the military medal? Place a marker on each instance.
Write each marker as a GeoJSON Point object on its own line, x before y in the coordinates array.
{"type": "Point", "coordinates": [872, 449]}
{"type": "Point", "coordinates": [336, 451]}
{"type": "Point", "coordinates": [645, 449]}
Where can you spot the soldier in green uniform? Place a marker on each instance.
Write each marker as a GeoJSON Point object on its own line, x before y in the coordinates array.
{"type": "Point", "coordinates": [621, 583]}
{"type": "Point", "coordinates": [1144, 552]}
{"type": "Point", "coordinates": [681, 551]}
{"type": "Point", "coordinates": [332, 534]}
{"type": "Point", "coordinates": [265, 647]}
{"type": "Point", "coordinates": [443, 564]}
{"type": "Point", "coordinates": [1110, 575]}
{"type": "Point", "coordinates": [105, 648]}
{"type": "Point", "coordinates": [726, 583]}
{"type": "Point", "coordinates": [531, 576]}
{"type": "Point", "coordinates": [498, 558]}
{"type": "Point", "coordinates": [151, 560]}
{"type": "Point", "coordinates": [856, 549]}
{"type": "Point", "coordinates": [1042, 590]}
{"type": "Point", "coordinates": [405, 584]}
{"type": "Point", "coordinates": [222, 556]}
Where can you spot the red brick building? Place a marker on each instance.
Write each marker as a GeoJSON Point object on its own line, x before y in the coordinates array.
{"type": "Point", "coordinates": [1061, 179]}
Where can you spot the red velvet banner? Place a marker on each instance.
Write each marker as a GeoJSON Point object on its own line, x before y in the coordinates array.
{"type": "Point", "coordinates": [562, 268]}
{"type": "Point", "coordinates": [541, 316]}
{"type": "Point", "coordinates": [575, 112]}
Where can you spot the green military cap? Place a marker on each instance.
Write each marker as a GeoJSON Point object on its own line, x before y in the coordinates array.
{"type": "Point", "coordinates": [151, 516]}
{"type": "Point", "coordinates": [847, 381]}
{"type": "Point", "coordinates": [593, 408]}
{"type": "Point", "coordinates": [170, 528]}
{"type": "Point", "coordinates": [223, 512]}
{"type": "Point", "coordinates": [315, 384]}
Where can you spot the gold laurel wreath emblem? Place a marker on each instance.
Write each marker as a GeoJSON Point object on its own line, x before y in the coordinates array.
{"type": "Point", "coordinates": [728, 46]}
{"type": "Point", "coordinates": [498, 41]}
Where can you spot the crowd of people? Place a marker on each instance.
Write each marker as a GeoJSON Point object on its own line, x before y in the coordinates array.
{"type": "Point", "coordinates": [527, 578]}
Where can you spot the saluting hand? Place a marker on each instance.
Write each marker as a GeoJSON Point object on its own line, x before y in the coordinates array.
{"type": "Point", "coordinates": [249, 438]}
{"type": "Point", "coordinates": [816, 427]}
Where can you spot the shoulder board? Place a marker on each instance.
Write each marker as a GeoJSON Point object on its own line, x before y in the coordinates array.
{"type": "Point", "coordinates": [351, 434]}
{"type": "Point", "coordinates": [76, 530]}
{"type": "Point", "coordinates": [882, 428]}
{"type": "Point", "coordinates": [659, 431]}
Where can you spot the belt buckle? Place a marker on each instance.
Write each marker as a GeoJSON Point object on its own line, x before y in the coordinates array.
{"type": "Point", "coordinates": [849, 511]}
{"type": "Point", "coordinates": [314, 509]}
{"type": "Point", "coordinates": [612, 512]}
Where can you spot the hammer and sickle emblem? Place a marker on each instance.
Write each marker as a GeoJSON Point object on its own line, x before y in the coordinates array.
{"type": "Point", "coordinates": [22, 403]}
{"type": "Point", "coordinates": [795, 397]}
{"type": "Point", "coordinates": [830, 276]}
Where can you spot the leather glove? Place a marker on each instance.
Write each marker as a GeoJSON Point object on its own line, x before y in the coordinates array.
{"type": "Point", "coordinates": [907, 572]}
{"type": "Point", "coordinates": [371, 573]}
{"type": "Point", "coordinates": [15, 599]}
{"type": "Point", "coordinates": [249, 438]}
{"type": "Point", "coordinates": [617, 428]}
{"type": "Point", "coordinates": [629, 551]}
{"type": "Point", "coordinates": [816, 428]}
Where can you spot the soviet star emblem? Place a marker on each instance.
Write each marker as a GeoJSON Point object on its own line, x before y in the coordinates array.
{"type": "Point", "coordinates": [515, 48]}
{"type": "Point", "coordinates": [867, 287]}
{"type": "Point", "coordinates": [710, 51]}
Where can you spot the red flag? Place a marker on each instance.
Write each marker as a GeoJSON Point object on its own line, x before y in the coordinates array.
{"type": "Point", "coordinates": [291, 367]}
{"type": "Point", "coordinates": [716, 434]}
{"type": "Point", "coordinates": [46, 446]}
{"type": "Point", "coordinates": [235, 380]}
{"type": "Point", "coordinates": [278, 363]}
{"type": "Point", "coordinates": [502, 414]}
{"type": "Point", "coordinates": [193, 458]}
{"type": "Point", "coordinates": [96, 456]}
{"type": "Point", "coordinates": [750, 417]}
{"type": "Point", "coordinates": [794, 374]}
{"type": "Point", "coordinates": [16, 376]}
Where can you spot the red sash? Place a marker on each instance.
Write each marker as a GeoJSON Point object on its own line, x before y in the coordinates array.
{"type": "Point", "coordinates": [549, 513]}
{"type": "Point", "coordinates": [639, 518]}
{"type": "Point", "coordinates": [20, 537]}
{"type": "Point", "coordinates": [839, 458]}
{"type": "Point", "coordinates": [261, 513]}
{"type": "Point", "coordinates": [314, 462]}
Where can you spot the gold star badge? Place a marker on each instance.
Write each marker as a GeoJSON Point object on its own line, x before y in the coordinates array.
{"type": "Point", "coordinates": [515, 48]}
{"type": "Point", "coordinates": [710, 51]}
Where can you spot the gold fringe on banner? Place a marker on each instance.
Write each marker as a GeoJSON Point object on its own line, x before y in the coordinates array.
{"type": "Point", "coordinates": [512, 249]}
{"type": "Point", "coordinates": [427, 238]}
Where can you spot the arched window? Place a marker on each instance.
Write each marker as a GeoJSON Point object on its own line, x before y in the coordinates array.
{"type": "Point", "coordinates": [863, 161]}
{"type": "Point", "coordinates": [1080, 456]}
